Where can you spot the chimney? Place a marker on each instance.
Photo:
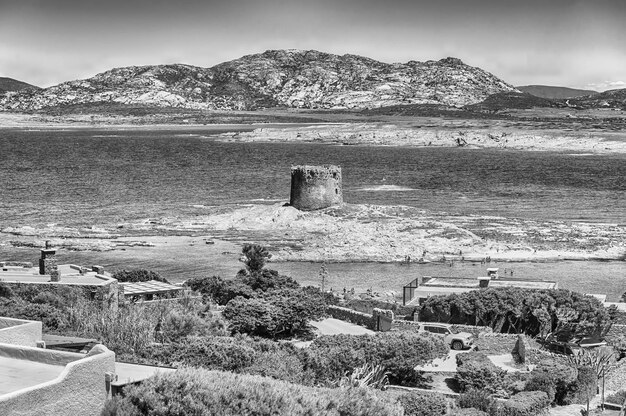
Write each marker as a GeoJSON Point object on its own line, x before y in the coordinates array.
{"type": "Point", "coordinates": [48, 263]}
{"type": "Point", "coordinates": [483, 281]}
{"type": "Point", "coordinates": [97, 269]}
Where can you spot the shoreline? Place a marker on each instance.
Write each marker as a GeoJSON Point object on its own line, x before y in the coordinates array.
{"type": "Point", "coordinates": [520, 135]}
{"type": "Point", "coordinates": [474, 137]}
{"type": "Point", "coordinates": [348, 233]}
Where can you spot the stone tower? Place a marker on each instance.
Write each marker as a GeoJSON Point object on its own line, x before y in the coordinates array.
{"type": "Point", "coordinates": [48, 263]}
{"type": "Point", "coordinates": [315, 187]}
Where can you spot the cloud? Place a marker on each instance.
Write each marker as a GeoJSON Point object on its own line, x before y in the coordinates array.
{"type": "Point", "coordinates": [606, 85]}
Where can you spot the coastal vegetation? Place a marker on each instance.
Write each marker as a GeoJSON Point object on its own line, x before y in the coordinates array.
{"type": "Point", "coordinates": [232, 340]}
{"type": "Point", "coordinates": [562, 313]}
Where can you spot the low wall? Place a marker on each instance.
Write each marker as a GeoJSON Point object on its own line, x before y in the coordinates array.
{"type": "Point", "coordinates": [20, 332]}
{"type": "Point", "coordinates": [80, 389]}
{"type": "Point", "coordinates": [503, 343]}
{"type": "Point", "coordinates": [403, 325]}
{"type": "Point", "coordinates": [350, 315]}
{"type": "Point", "coordinates": [107, 292]}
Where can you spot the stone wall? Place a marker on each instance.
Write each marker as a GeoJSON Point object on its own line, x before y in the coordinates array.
{"type": "Point", "coordinates": [80, 389]}
{"type": "Point", "coordinates": [107, 293]}
{"type": "Point", "coordinates": [315, 187]}
{"type": "Point", "coordinates": [404, 325]}
{"type": "Point", "coordinates": [350, 315]}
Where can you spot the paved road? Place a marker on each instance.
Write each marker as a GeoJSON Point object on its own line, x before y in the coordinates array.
{"type": "Point", "coordinates": [332, 326]}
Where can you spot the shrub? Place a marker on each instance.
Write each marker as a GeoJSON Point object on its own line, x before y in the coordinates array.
{"type": "Point", "coordinates": [281, 313]}
{"type": "Point", "coordinates": [519, 310]}
{"type": "Point", "coordinates": [220, 290]}
{"type": "Point", "coordinates": [5, 291]}
{"type": "Point", "coordinates": [214, 353]}
{"type": "Point", "coordinates": [280, 364]}
{"type": "Point", "coordinates": [423, 404]}
{"type": "Point", "coordinates": [265, 280]}
{"type": "Point", "coordinates": [526, 403]}
{"type": "Point", "coordinates": [138, 275]}
{"type": "Point", "coordinates": [476, 371]}
{"type": "Point", "coordinates": [255, 257]}
{"type": "Point", "coordinates": [201, 392]}
{"type": "Point", "coordinates": [585, 386]}
{"type": "Point", "coordinates": [555, 379]}
{"type": "Point", "coordinates": [478, 399]}
{"type": "Point", "coordinates": [332, 357]}
{"type": "Point", "coordinates": [132, 327]}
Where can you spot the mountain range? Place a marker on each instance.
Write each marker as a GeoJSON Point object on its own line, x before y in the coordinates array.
{"type": "Point", "coordinates": [10, 85]}
{"type": "Point", "coordinates": [300, 79]}
{"type": "Point", "coordinates": [276, 78]}
{"type": "Point", "coordinates": [552, 92]}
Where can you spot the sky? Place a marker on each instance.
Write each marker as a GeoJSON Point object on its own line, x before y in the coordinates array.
{"type": "Point", "coordinates": [574, 43]}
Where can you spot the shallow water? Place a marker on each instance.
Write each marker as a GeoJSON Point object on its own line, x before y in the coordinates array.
{"type": "Point", "coordinates": [81, 177]}
{"type": "Point", "coordinates": [90, 177]}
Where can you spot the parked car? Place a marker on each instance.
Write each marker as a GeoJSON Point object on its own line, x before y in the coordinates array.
{"type": "Point", "coordinates": [456, 340]}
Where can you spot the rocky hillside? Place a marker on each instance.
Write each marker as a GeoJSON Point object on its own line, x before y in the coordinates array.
{"type": "Point", "coordinates": [289, 78]}
{"type": "Point", "coordinates": [551, 92]}
{"type": "Point", "coordinates": [606, 99]}
{"type": "Point", "coordinates": [513, 100]}
{"type": "Point", "coordinates": [10, 84]}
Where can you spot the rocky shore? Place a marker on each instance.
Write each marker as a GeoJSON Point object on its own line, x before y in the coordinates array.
{"type": "Point", "coordinates": [350, 233]}
{"type": "Point", "coordinates": [453, 134]}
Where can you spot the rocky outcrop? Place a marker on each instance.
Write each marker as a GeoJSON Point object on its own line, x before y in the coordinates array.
{"type": "Point", "coordinates": [607, 99]}
{"type": "Point", "coordinates": [287, 78]}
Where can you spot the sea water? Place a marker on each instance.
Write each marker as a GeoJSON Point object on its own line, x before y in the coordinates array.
{"type": "Point", "coordinates": [79, 177]}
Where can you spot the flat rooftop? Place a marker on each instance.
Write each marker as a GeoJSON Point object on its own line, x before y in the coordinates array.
{"type": "Point", "coordinates": [437, 283]}
{"type": "Point", "coordinates": [17, 374]}
{"type": "Point", "coordinates": [70, 274]}
{"type": "Point", "coordinates": [150, 287]}
{"type": "Point", "coordinates": [131, 373]}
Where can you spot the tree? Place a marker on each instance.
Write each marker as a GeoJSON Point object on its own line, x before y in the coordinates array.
{"type": "Point", "coordinates": [220, 290]}
{"type": "Point", "coordinates": [265, 280]}
{"type": "Point", "coordinates": [255, 257]}
{"type": "Point", "coordinates": [137, 275]}
{"type": "Point", "coordinates": [280, 313]}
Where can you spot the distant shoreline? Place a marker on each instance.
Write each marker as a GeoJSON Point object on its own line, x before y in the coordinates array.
{"type": "Point", "coordinates": [404, 132]}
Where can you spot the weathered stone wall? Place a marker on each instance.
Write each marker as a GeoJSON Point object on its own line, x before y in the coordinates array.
{"type": "Point", "coordinates": [107, 294]}
{"type": "Point", "coordinates": [315, 187]}
{"type": "Point", "coordinates": [350, 315]}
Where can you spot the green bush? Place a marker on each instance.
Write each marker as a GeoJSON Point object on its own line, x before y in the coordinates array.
{"type": "Point", "coordinates": [255, 257]}
{"type": "Point", "coordinates": [332, 357]}
{"type": "Point", "coordinates": [5, 291]}
{"type": "Point", "coordinates": [201, 392]}
{"type": "Point", "coordinates": [214, 353]}
{"type": "Point", "coordinates": [585, 386]}
{"type": "Point", "coordinates": [423, 404]}
{"type": "Point", "coordinates": [526, 403]}
{"type": "Point", "coordinates": [522, 311]}
{"type": "Point", "coordinates": [281, 364]}
{"type": "Point", "coordinates": [220, 290]}
{"type": "Point", "coordinates": [280, 313]}
{"type": "Point", "coordinates": [266, 280]}
{"type": "Point", "coordinates": [137, 275]}
{"type": "Point", "coordinates": [554, 378]}
{"type": "Point", "coordinates": [478, 399]}
{"type": "Point", "coordinates": [476, 371]}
